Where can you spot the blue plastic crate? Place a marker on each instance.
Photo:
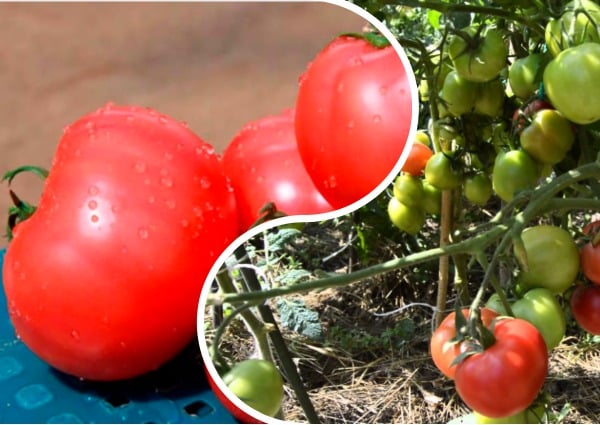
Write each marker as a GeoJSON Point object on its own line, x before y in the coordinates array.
{"type": "Point", "coordinates": [33, 392]}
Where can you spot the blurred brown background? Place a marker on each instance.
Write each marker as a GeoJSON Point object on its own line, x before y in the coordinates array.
{"type": "Point", "coordinates": [214, 65]}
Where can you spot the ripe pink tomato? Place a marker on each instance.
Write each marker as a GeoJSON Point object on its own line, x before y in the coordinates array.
{"type": "Point", "coordinates": [353, 116]}
{"type": "Point", "coordinates": [263, 165]}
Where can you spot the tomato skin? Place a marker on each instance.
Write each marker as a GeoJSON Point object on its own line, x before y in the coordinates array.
{"type": "Point", "coordinates": [490, 98]}
{"type": "Point", "coordinates": [263, 164]}
{"type": "Point", "coordinates": [458, 93]}
{"type": "Point", "coordinates": [571, 77]}
{"type": "Point", "coordinates": [590, 262]}
{"type": "Point", "coordinates": [407, 219]}
{"type": "Point", "coordinates": [540, 308]}
{"type": "Point", "coordinates": [409, 190]}
{"type": "Point", "coordinates": [552, 257]}
{"type": "Point", "coordinates": [585, 307]}
{"type": "Point", "coordinates": [478, 188]}
{"type": "Point", "coordinates": [513, 171]}
{"type": "Point", "coordinates": [442, 354]}
{"type": "Point", "coordinates": [440, 172]}
{"type": "Point", "coordinates": [485, 61]}
{"type": "Point", "coordinates": [525, 75]}
{"type": "Point", "coordinates": [417, 158]}
{"type": "Point", "coordinates": [492, 382]}
{"type": "Point", "coordinates": [548, 137]}
{"type": "Point", "coordinates": [134, 202]}
{"type": "Point", "coordinates": [353, 116]}
{"type": "Point", "coordinates": [432, 198]}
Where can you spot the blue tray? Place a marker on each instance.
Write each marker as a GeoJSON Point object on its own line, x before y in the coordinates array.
{"type": "Point", "coordinates": [33, 392]}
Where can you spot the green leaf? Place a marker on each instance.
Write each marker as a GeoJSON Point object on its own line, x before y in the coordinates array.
{"type": "Point", "coordinates": [433, 17]}
{"type": "Point", "coordinates": [295, 315]}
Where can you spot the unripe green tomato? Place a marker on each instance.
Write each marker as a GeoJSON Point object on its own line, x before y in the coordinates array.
{"type": "Point", "coordinates": [540, 308]}
{"type": "Point", "coordinates": [552, 258]}
{"type": "Point", "coordinates": [494, 303]}
{"type": "Point", "coordinates": [409, 190]}
{"type": "Point", "coordinates": [548, 137]}
{"type": "Point", "coordinates": [514, 171]}
{"type": "Point", "coordinates": [478, 188]}
{"type": "Point", "coordinates": [490, 98]}
{"type": "Point", "coordinates": [422, 137]}
{"type": "Point", "coordinates": [485, 61]}
{"type": "Point", "coordinates": [577, 25]}
{"type": "Point", "coordinates": [440, 172]}
{"type": "Point", "coordinates": [525, 75]}
{"type": "Point", "coordinates": [408, 219]}
{"type": "Point", "coordinates": [432, 199]}
{"type": "Point", "coordinates": [257, 383]}
{"type": "Point", "coordinates": [459, 94]}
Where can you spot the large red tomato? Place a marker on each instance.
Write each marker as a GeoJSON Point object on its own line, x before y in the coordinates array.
{"type": "Point", "coordinates": [506, 377]}
{"type": "Point", "coordinates": [353, 116]}
{"type": "Point", "coordinates": [443, 351]}
{"type": "Point", "coordinates": [103, 280]}
{"type": "Point", "coordinates": [263, 164]}
{"type": "Point", "coordinates": [585, 306]}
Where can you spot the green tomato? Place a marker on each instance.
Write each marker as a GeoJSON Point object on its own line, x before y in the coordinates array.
{"type": "Point", "coordinates": [548, 137]}
{"type": "Point", "coordinates": [441, 173]}
{"type": "Point", "coordinates": [552, 258]}
{"type": "Point", "coordinates": [257, 383]}
{"type": "Point", "coordinates": [459, 94]}
{"type": "Point", "coordinates": [525, 75]}
{"type": "Point", "coordinates": [513, 171]}
{"type": "Point", "coordinates": [432, 199]}
{"type": "Point", "coordinates": [540, 308]}
{"type": "Point", "coordinates": [484, 59]}
{"type": "Point", "coordinates": [478, 188]}
{"type": "Point", "coordinates": [422, 137]}
{"type": "Point", "coordinates": [494, 303]}
{"type": "Point", "coordinates": [490, 98]}
{"type": "Point", "coordinates": [577, 25]}
{"type": "Point", "coordinates": [571, 83]}
{"type": "Point", "coordinates": [408, 219]}
{"type": "Point", "coordinates": [409, 190]}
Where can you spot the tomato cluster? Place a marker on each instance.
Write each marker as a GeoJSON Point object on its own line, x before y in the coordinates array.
{"type": "Point", "coordinates": [103, 277]}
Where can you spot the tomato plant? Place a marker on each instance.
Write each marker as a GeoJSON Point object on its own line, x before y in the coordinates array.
{"type": "Point", "coordinates": [443, 350]}
{"type": "Point", "coordinates": [585, 306]}
{"type": "Point", "coordinates": [548, 137]}
{"type": "Point", "coordinates": [264, 166]}
{"type": "Point", "coordinates": [353, 116]}
{"type": "Point", "coordinates": [492, 383]}
{"type": "Point", "coordinates": [552, 258]}
{"type": "Point", "coordinates": [572, 76]}
{"type": "Point", "coordinates": [134, 202]}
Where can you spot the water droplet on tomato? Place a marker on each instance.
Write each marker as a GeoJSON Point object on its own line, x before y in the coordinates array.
{"type": "Point", "coordinates": [139, 166]}
{"type": "Point", "coordinates": [171, 204]}
{"type": "Point", "coordinates": [340, 87]}
{"type": "Point", "coordinates": [184, 124]}
{"type": "Point", "coordinates": [94, 218]}
{"type": "Point", "coordinates": [185, 223]}
{"type": "Point", "coordinates": [357, 61]}
{"type": "Point", "coordinates": [164, 172]}
{"type": "Point", "coordinates": [163, 120]}
{"type": "Point", "coordinates": [130, 119]}
{"type": "Point", "coordinates": [75, 335]}
{"type": "Point", "coordinates": [122, 344]}
{"type": "Point", "coordinates": [93, 190]}
{"type": "Point", "coordinates": [168, 156]}
{"type": "Point", "coordinates": [197, 211]}
{"type": "Point", "coordinates": [205, 183]}
{"type": "Point", "coordinates": [331, 182]}
{"type": "Point", "coordinates": [92, 205]}
{"type": "Point", "coordinates": [350, 125]}
{"type": "Point", "coordinates": [376, 119]}
{"type": "Point", "coordinates": [115, 209]}
{"type": "Point", "coordinates": [166, 181]}
{"type": "Point", "coordinates": [143, 233]}
{"type": "Point", "coordinates": [383, 90]}
{"type": "Point", "coordinates": [209, 206]}
{"type": "Point", "coordinates": [260, 180]}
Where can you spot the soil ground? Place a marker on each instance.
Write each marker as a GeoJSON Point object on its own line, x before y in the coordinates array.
{"type": "Point", "coordinates": [214, 65]}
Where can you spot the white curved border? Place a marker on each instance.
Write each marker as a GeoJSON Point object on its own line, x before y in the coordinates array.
{"type": "Point", "coordinates": [228, 252]}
